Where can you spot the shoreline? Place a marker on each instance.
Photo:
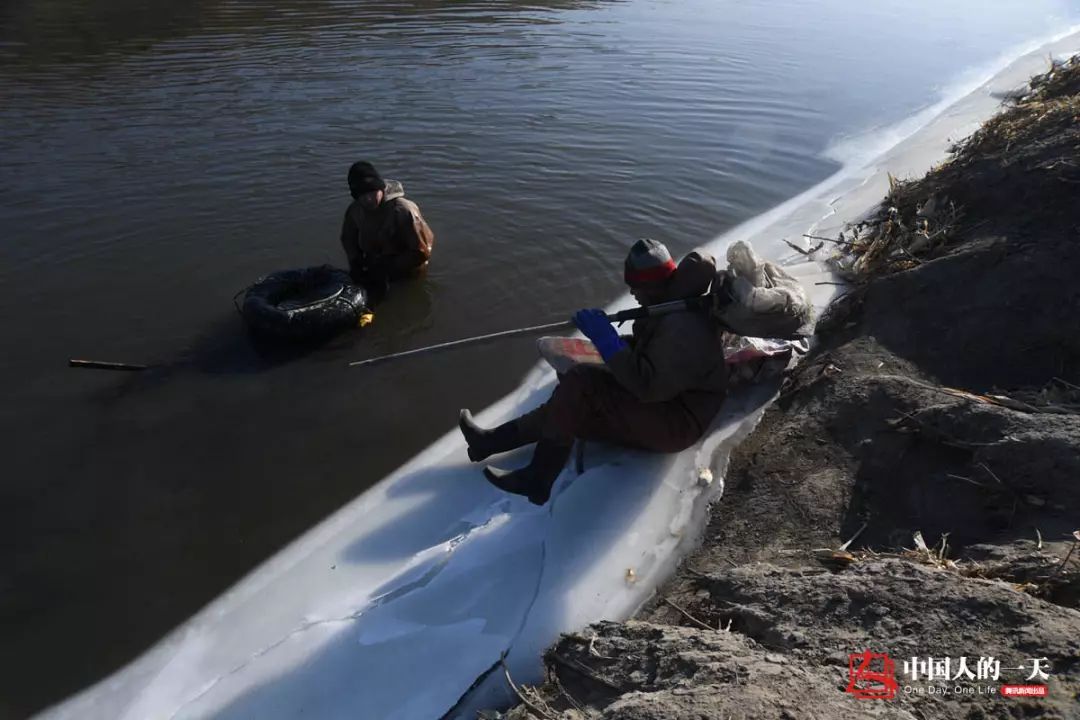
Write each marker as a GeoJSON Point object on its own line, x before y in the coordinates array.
{"type": "Point", "coordinates": [162, 678]}
{"type": "Point", "coordinates": [903, 427]}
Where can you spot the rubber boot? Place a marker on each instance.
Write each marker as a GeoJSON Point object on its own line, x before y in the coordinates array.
{"type": "Point", "coordinates": [508, 436]}
{"type": "Point", "coordinates": [534, 481]}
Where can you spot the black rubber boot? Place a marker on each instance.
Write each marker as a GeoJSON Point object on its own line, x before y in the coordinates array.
{"type": "Point", "coordinates": [534, 481]}
{"type": "Point", "coordinates": [508, 436]}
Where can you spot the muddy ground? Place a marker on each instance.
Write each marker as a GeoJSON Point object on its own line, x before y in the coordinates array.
{"type": "Point", "coordinates": [942, 399]}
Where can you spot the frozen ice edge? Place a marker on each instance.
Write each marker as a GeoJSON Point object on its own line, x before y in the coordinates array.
{"type": "Point", "coordinates": [397, 603]}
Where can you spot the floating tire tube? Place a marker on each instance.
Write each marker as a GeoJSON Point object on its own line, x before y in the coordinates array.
{"type": "Point", "coordinates": [307, 304]}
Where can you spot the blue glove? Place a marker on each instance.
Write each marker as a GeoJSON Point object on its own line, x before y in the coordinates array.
{"type": "Point", "coordinates": [596, 326]}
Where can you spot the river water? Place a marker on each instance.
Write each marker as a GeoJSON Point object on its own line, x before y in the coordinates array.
{"type": "Point", "coordinates": [155, 160]}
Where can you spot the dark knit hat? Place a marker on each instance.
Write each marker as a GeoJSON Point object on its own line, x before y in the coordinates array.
{"type": "Point", "coordinates": [363, 178]}
{"type": "Point", "coordinates": [648, 262]}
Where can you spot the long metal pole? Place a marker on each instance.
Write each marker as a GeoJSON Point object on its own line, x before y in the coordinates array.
{"type": "Point", "coordinates": [621, 316]}
{"type": "Point", "coordinates": [564, 325]}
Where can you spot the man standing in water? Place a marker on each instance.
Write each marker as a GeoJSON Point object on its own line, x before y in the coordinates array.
{"type": "Point", "coordinates": [384, 235]}
{"type": "Point", "coordinates": [658, 390]}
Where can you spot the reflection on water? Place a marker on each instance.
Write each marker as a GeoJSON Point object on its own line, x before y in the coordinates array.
{"type": "Point", "coordinates": [48, 32]}
{"type": "Point", "coordinates": [157, 157]}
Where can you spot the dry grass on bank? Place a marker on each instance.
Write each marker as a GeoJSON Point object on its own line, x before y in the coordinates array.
{"type": "Point", "coordinates": [1021, 166]}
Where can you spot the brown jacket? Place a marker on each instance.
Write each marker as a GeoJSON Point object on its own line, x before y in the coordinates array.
{"type": "Point", "coordinates": [394, 235]}
{"type": "Point", "coordinates": [679, 356]}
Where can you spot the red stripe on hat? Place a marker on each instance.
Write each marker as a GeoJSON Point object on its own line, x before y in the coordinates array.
{"type": "Point", "coordinates": [653, 274]}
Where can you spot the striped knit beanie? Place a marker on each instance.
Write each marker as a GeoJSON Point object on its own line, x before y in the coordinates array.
{"type": "Point", "coordinates": [648, 262]}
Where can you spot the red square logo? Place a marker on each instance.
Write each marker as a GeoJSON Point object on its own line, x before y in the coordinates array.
{"type": "Point", "coordinates": [871, 676]}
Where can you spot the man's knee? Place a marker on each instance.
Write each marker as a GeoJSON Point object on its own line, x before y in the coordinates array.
{"type": "Point", "coordinates": [570, 400]}
{"type": "Point", "coordinates": [580, 383]}
{"type": "Point", "coordinates": [576, 378]}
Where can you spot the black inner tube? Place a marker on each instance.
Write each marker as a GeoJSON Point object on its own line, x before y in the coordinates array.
{"type": "Point", "coordinates": [307, 304]}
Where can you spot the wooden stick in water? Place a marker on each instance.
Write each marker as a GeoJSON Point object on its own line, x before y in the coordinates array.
{"type": "Point", "coordinates": [105, 365]}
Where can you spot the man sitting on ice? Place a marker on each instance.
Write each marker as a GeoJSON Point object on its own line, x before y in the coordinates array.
{"type": "Point", "coordinates": [384, 236]}
{"type": "Point", "coordinates": [658, 390]}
